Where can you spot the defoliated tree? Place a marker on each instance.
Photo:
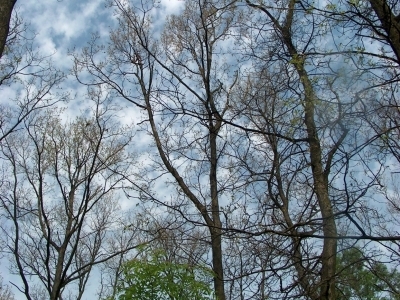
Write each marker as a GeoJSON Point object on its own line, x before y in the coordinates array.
{"type": "Point", "coordinates": [27, 79]}
{"type": "Point", "coordinates": [58, 199]}
{"type": "Point", "coordinates": [256, 124]}
{"type": "Point", "coordinates": [177, 77]}
{"type": "Point", "coordinates": [5, 291]}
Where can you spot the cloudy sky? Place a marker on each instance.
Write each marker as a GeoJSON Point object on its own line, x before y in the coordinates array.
{"type": "Point", "coordinates": [60, 27]}
{"type": "Point", "coordinates": [64, 26]}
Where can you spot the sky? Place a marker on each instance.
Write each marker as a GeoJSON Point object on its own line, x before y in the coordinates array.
{"type": "Point", "coordinates": [61, 27]}
{"type": "Point", "coordinates": [64, 26]}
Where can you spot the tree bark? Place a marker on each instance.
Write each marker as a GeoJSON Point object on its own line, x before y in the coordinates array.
{"type": "Point", "coordinates": [390, 24]}
{"type": "Point", "coordinates": [6, 7]}
{"type": "Point", "coordinates": [328, 257]}
{"type": "Point", "coordinates": [216, 233]}
{"type": "Point", "coordinates": [320, 178]}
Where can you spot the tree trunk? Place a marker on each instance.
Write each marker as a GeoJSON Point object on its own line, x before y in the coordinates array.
{"type": "Point", "coordinates": [320, 179]}
{"type": "Point", "coordinates": [390, 24]}
{"type": "Point", "coordinates": [6, 7]}
{"type": "Point", "coordinates": [328, 257]}
{"type": "Point", "coordinates": [216, 230]}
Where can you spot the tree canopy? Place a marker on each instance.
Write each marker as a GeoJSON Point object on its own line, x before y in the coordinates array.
{"type": "Point", "coordinates": [359, 278]}
{"type": "Point", "coordinates": [154, 277]}
{"type": "Point", "coordinates": [249, 145]}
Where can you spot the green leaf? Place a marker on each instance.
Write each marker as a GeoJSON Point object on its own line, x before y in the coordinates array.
{"type": "Point", "coordinates": [155, 277]}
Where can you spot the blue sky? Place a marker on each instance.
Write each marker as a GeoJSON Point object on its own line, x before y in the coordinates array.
{"type": "Point", "coordinates": [60, 27]}
{"type": "Point", "coordinates": [64, 26]}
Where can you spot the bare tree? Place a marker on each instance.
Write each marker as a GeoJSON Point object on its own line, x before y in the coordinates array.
{"type": "Point", "coordinates": [58, 204]}
{"type": "Point", "coordinates": [369, 21]}
{"type": "Point", "coordinates": [262, 132]}
{"type": "Point", "coordinates": [27, 78]}
{"type": "Point", "coordinates": [5, 291]}
{"type": "Point", "coordinates": [278, 22]}
{"type": "Point", "coordinates": [310, 115]}
{"type": "Point", "coordinates": [375, 26]}
{"type": "Point", "coordinates": [184, 61]}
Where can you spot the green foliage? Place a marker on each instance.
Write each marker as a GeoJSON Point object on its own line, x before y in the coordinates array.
{"type": "Point", "coordinates": [157, 278]}
{"type": "Point", "coordinates": [358, 279]}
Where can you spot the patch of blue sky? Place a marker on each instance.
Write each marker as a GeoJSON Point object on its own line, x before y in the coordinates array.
{"type": "Point", "coordinates": [60, 26]}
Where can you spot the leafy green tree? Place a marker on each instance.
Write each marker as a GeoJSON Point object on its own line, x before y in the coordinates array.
{"type": "Point", "coordinates": [157, 278]}
{"type": "Point", "coordinates": [358, 278]}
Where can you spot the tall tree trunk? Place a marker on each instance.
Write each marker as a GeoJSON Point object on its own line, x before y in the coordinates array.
{"type": "Point", "coordinates": [6, 7]}
{"type": "Point", "coordinates": [213, 222]}
{"type": "Point", "coordinates": [390, 24]}
{"type": "Point", "coordinates": [216, 234]}
{"type": "Point", "coordinates": [328, 257]}
{"type": "Point", "coordinates": [320, 178]}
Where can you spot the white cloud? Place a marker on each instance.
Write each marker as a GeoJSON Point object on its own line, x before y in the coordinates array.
{"type": "Point", "coordinates": [172, 6]}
